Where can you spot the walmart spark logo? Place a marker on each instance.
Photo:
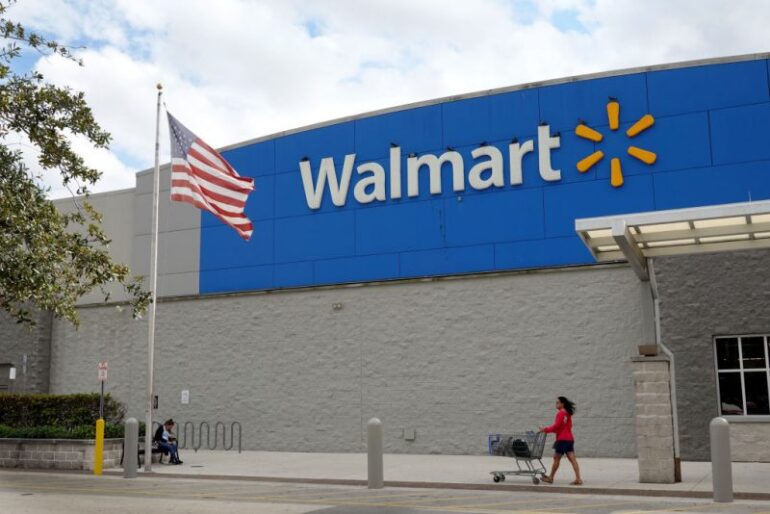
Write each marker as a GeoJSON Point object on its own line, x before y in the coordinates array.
{"type": "Point", "coordinates": [613, 117]}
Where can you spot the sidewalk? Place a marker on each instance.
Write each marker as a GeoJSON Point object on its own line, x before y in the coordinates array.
{"type": "Point", "coordinates": [608, 476]}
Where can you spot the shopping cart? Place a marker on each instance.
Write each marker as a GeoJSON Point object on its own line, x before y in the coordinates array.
{"type": "Point", "coordinates": [526, 448]}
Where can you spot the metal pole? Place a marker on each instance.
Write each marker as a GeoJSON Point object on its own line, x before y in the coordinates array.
{"type": "Point", "coordinates": [374, 446]}
{"type": "Point", "coordinates": [130, 448]}
{"type": "Point", "coordinates": [153, 292]}
{"type": "Point", "coordinates": [721, 463]}
{"type": "Point", "coordinates": [101, 402]}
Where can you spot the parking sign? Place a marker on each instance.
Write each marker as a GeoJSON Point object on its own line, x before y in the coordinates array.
{"type": "Point", "coordinates": [102, 368]}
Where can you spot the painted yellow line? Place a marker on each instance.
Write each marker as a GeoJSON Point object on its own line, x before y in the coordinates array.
{"type": "Point", "coordinates": [678, 509]}
{"type": "Point", "coordinates": [124, 489]}
{"type": "Point", "coordinates": [510, 502]}
{"type": "Point", "coordinates": [388, 504]}
{"type": "Point", "coordinates": [79, 489]}
{"type": "Point", "coordinates": [94, 490]}
{"type": "Point", "coordinates": [424, 492]}
{"type": "Point", "coordinates": [453, 498]}
{"type": "Point", "coordinates": [289, 493]}
{"type": "Point", "coordinates": [591, 506]}
{"type": "Point", "coordinates": [320, 494]}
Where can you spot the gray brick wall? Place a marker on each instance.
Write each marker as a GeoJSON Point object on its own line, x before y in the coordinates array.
{"type": "Point", "coordinates": [702, 296]}
{"type": "Point", "coordinates": [453, 359]}
{"type": "Point", "coordinates": [57, 453]}
{"type": "Point", "coordinates": [18, 340]}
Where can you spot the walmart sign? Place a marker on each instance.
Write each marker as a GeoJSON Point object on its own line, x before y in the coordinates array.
{"type": "Point", "coordinates": [487, 170]}
{"type": "Point", "coordinates": [491, 182]}
{"type": "Point", "coordinates": [485, 173]}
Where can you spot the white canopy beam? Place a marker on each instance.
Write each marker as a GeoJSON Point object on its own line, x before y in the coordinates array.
{"type": "Point", "coordinates": [640, 236]}
{"type": "Point", "coordinates": [625, 241]}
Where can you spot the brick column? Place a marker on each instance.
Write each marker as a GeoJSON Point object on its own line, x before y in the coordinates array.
{"type": "Point", "coordinates": [654, 420]}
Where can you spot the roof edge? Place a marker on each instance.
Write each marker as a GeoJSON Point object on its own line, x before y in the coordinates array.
{"type": "Point", "coordinates": [495, 91]}
{"type": "Point", "coordinates": [111, 192]}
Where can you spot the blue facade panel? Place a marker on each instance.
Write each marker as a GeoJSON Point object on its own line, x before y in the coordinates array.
{"type": "Point", "coordinates": [709, 186]}
{"type": "Point", "coordinates": [257, 160]}
{"type": "Point", "coordinates": [703, 88]}
{"type": "Point", "coordinates": [229, 280]}
{"type": "Point", "coordinates": [477, 219]}
{"type": "Point", "coordinates": [741, 134]}
{"type": "Point", "coordinates": [490, 118]}
{"type": "Point", "coordinates": [447, 261]}
{"type": "Point", "coordinates": [330, 141]}
{"type": "Point", "coordinates": [712, 124]}
{"type": "Point", "coordinates": [411, 225]}
{"type": "Point", "coordinates": [415, 130]}
{"type": "Point", "coordinates": [557, 251]}
{"type": "Point", "coordinates": [563, 105]}
{"type": "Point", "coordinates": [357, 269]}
{"type": "Point", "coordinates": [230, 249]}
{"type": "Point", "coordinates": [294, 274]}
{"type": "Point", "coordinates": [566, 203]}
{"type": "Point", "coordinates": [319, 236]}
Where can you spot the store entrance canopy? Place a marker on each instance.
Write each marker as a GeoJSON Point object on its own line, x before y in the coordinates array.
{"type": "Point", "coordinates": [637, 237]}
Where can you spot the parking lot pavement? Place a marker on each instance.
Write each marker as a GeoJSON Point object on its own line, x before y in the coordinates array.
{"type": "Point", "coordinates": [434, 470]}
{"type": "Point", "coordinates": [37, 492]}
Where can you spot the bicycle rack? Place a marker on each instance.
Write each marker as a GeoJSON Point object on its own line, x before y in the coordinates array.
{"type": "Point", "coordinates": [197, 443]}
{"type": "Point", "coordinates": [200, 436]}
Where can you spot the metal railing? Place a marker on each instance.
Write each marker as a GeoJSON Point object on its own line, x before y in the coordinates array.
{"type": "Point", "coordinates": [197, 444]}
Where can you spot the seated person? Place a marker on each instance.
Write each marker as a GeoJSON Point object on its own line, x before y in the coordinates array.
{"type": "Point", "coordinates": [166, 441]}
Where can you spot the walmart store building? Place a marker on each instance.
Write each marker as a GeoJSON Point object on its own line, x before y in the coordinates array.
{"type": "Point", "coordinates": [452, 266]}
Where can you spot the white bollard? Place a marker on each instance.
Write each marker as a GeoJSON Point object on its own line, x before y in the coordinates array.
{"type": "Point", "coordinates": [130, 448]}
{"type": "Point", "coordinates": [721, 462]}
{"type": "Point", "coordinates": [374, 447]}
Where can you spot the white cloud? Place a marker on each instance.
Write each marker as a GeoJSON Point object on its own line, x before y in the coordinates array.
{"type": "Point", "coordinates": [115, 174]}
{"type": "Point", "coordinates": [246, 69]}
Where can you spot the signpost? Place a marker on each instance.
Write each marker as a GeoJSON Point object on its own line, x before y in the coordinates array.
{"type": "Point", "coordinates": [99, 446]}
{"type": "Point", "coordinates": [102, 368]}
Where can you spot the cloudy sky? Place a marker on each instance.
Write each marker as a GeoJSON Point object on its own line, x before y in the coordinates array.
{"type": "Point", "coordinates": [238, 69]}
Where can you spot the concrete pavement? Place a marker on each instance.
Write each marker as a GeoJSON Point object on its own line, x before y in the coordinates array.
{"type": "Point", "coordinates": [68, 493]}
{"type": "Point", "coordinates": [607, 476]}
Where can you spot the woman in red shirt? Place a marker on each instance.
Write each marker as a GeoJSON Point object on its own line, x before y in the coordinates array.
{"type": "Point", "coordinates": [565, 442]}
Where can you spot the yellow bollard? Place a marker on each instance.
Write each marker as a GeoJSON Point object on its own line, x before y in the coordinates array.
{"type": "Point", "coordinates": [99, 447]}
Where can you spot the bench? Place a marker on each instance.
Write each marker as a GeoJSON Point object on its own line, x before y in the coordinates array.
{"type": "Point", "coordinates": [140, 452]}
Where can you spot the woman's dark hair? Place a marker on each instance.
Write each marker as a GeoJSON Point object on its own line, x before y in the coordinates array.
{"type": "Point", "coordinates": [568, 405]}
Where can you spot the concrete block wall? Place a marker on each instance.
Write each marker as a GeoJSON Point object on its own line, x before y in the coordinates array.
{"type": "Point", "coordinates": [702, 296]}
{"type": "Point", "coordinates": [749, 442]}
{"type": "Point", "coordinates": [17, 340]}
{"type": "Point", "coordinates": [452, 359]}
{"type": "Point", "coordinates": [654, 420]}
{"type": "Point", "coordinates": [57, 453]}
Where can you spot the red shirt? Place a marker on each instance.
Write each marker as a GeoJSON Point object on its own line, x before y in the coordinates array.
{"type": "Point", "coordinates": [562, 426]}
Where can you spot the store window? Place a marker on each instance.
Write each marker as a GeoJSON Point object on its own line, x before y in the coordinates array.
{"type": "Point", "coordinates": [743, 375]}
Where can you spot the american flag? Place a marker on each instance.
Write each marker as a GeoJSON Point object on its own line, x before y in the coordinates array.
{"type": "Point", "coordinates": [203, 178]}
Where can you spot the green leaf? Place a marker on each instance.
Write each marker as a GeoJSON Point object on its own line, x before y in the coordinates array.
{"type": "Point", "coordinates": [49, 260]}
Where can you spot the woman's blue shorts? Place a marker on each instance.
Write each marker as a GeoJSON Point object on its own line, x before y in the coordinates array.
{"type": "Point", "coordinates": [563, 447]}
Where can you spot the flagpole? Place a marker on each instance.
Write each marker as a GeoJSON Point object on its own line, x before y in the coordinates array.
{"type": "Point", "coordinates": [153, 292]}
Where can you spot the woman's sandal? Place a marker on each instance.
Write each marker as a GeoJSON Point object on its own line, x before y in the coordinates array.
{"type": "Point", "coordinates": [576, 482]}
{"type": "Point", "coordinates": [547, 480]}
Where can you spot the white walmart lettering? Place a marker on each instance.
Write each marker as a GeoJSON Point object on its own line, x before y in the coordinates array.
{"type": "Point", "coordinates": [487, 171]}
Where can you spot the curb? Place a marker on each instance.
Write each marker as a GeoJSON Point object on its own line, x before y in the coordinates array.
{"type": "Point", "coordinates": [604, 491]}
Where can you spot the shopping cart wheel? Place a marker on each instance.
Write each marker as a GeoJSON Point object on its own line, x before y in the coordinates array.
{"type": "Point", "coordinates": [502, 477]}
{"type": "Point", "coordinates": [535, 480]}
{"type": "Point", "coordinates": [496, 478]}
